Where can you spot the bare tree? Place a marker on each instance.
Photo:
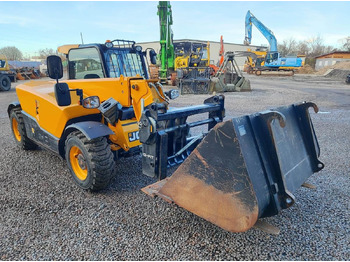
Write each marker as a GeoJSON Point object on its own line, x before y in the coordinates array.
{"type": "Point", "coordinates": [317, 47]}
{"type": "Point", "coordinates": [44, 53]}
{"type": "Point", "coordinates": [346, 44]}
{"type": "Point", "coordinates": [303, 48]}
{"type": "Point", "coordinates": [311, 48]}
{"type": "Point", "coordinates": [11, 52]}
{"type": "Point", "coordinates": [288, 47]}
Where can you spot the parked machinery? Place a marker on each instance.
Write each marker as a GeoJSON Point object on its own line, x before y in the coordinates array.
{"type": "Point", "coordinates": [227, 78]}
{"type": "Point", "coordinates": [255, 59]}
{"type": "Point", "coordinates": [272, 60]}
{"type": "Point", "coordinates": [192, 67]}
{"type": "Point", "coordinates": [6, 74]}
{"type": "Point", "coordinates": [191, 54]}
{"type": "Point", "coordinates": [215, 68]}
{"type": "Point", "coordinates": [181, 60]}
{"type": "Point", "coordinates": [232, 174]}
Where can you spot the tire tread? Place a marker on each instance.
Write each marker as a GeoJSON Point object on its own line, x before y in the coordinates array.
{"type": "Point", "coordinates": [101, 160]}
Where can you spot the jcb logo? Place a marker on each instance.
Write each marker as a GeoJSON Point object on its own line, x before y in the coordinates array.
{"type": "Point", "coordinates": [133, 136]}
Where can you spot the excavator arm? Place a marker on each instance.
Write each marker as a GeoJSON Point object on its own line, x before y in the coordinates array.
{"type": "Point", "coordinates": [250, 19]}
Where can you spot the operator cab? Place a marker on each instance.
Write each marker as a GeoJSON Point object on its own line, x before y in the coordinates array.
{"type": "Point", "coordinates": [271, 57]}
{"type": "Point", "coordinates": [112, 59]}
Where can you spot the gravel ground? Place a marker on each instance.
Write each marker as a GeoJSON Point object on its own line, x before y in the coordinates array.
{"type": "Point", "coordinates": [44, 216]}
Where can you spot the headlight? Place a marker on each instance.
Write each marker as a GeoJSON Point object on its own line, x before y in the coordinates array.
{"type": "Point", "coordinates": [138, 48]}
{"type": "Point", "coordinates": [109, 44]}
{"type": "Point", "coordinates": [91, 102]}
{"type": "Point", "coordinates": [172, 94]}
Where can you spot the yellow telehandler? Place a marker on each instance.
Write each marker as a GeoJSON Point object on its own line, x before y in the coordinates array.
{"type": "Point", "coordinates": [232, 174]}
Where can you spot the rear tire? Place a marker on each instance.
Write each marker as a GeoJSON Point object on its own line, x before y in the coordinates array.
{"type": "Point", "coordinates": [5, 83]}
{"type": "Point", "coordinates": [19, 131]}
{"type": "Point", "coordinates": [90, 162]}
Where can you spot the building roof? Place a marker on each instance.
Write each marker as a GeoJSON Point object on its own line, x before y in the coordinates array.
{"type": "Point", "coordinates": [334, 53]}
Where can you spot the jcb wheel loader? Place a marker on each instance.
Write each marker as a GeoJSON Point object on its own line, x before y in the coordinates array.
{"type": "Point", "coordinates": [232, 174]}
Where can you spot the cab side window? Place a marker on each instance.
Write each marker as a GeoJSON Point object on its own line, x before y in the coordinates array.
{"type": "Point", "coordinates": [85, 63]}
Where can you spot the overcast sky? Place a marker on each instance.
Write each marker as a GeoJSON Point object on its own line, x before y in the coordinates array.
{"type": "Point", "coordinates": [31, 26]}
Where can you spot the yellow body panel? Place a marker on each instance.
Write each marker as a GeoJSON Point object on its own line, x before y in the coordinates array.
{"type": "Point", "coordinates": [37, 98]}
{"type": "Point", "coordinates": [260, 54]}
{"type": "Point", "coordinates": [181, 62]}
{"type": "Point", "coordinates": [125, 134]}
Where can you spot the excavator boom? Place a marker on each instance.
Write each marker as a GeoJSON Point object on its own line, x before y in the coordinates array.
{"type": "Point", "coordinates": [167, 55]}
{"type": "Point", "coordinates": [250, 19]}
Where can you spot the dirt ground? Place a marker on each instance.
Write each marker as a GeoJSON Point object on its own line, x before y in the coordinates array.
{"type": "Point", "coordinates": [44, 216]}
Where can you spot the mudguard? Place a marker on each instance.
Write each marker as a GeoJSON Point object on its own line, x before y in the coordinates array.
{"type": "Point", "coordinates": [11, 106]}
{"type": "Point", "coordinates": [91, 129]}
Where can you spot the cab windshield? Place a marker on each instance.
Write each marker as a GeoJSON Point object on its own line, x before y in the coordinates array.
{"type": "Point", "coordinates": [85, 63]}
{"type": "Point", "coordinates": [121, 62]}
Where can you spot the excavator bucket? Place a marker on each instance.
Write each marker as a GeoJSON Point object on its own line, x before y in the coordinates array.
{"type": "Point", "coordinates": [246, 168]}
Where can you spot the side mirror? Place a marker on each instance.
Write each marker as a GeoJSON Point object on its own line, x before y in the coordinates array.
{"type": "Point", "coordinates": [62, 94]}
{"type": "Point", "coordinates": [153, 56]}
{"type": "Point", "coordinates": [54, 67]}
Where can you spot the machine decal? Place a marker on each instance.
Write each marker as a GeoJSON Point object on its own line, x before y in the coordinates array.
{"type": "Point", "coordinates": [133, 136]}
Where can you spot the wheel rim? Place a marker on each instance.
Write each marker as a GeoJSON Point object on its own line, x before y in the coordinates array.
{"type": "Point", "coordinates": [78, 163]}
{"type": "Point", "coordinates": [15, 129]}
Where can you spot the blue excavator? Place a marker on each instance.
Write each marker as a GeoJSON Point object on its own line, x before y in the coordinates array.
{"type": "Point", "coordinates": [272, 60]}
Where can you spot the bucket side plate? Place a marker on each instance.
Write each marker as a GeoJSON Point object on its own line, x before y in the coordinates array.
{"type": "Point", "coordinates": [213, 182]}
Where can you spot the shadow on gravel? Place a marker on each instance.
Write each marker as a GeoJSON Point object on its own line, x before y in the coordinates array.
{"type": "Point", "coordinates": [129, 176]}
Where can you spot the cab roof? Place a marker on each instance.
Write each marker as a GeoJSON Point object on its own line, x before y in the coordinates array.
{"type": "Point", "coordinates": [64, 49]}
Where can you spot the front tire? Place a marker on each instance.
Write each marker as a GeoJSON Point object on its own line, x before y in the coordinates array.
{"type": "Point", "coordinates": [89, 161]}
{"type": "Point", "coordinates": [19, 130]}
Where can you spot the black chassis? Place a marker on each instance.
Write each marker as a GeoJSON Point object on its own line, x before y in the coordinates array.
{"type": "Point", "coordinates": [165, 134]}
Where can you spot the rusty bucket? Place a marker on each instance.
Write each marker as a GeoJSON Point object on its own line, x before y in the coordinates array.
{"type": "Point", "coordinates": [246, 168]}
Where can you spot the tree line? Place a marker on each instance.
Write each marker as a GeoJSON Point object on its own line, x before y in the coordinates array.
{"type": "Point", "coordinates": [13, 53]}
{"type": "Point", "coordinates": [311, 48]}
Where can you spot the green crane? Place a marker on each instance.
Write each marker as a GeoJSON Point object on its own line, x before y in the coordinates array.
{"type": "Point", "coordinates": [166, 53]}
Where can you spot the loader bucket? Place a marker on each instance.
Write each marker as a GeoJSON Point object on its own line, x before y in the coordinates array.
{"type": "Point", "coordinates": [246, 168]}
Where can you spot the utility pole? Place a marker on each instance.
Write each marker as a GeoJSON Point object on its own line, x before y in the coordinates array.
{"type": "Point", "coordinates": [81, 36]}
